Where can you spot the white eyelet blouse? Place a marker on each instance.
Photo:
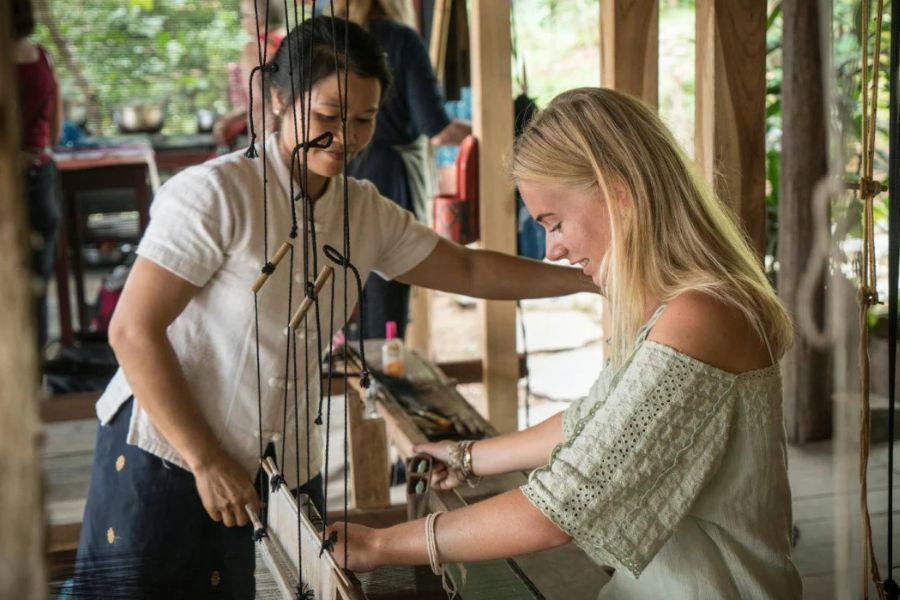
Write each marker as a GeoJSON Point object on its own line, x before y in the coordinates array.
{"type": "Point", "coordinates": [674, 473]}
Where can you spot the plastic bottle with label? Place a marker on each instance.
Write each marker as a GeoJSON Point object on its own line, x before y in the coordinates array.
{"type": "Point", "coordinates": [393, 353]}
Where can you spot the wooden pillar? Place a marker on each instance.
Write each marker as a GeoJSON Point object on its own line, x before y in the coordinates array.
{"type": "Point", "coordinates": [22, 571]}
{"type": "Point", "coordinates": [493, 126]}
{"type": "Point", "coordinates": [804, 161]}
{"type": "Point", "coordinates": [629, 62]}
{"type": "Point", "coordinates": [418, 332]}
{"type": "Point", "coordinates": [629, 47]}
{"type": "Point", "coordinates": [730, 107]}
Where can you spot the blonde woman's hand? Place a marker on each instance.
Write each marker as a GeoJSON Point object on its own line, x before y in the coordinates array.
{"type": "Point", "coordinates": [361, 545]}
{"type": "Point", "coordinates": [442, 476]}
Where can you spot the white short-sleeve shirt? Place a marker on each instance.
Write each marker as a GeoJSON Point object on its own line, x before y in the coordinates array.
{"type": "Point", "coordinates": [207, 228]}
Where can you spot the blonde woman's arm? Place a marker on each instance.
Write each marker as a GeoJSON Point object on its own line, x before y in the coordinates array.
{"type": "Point", "coordinates": [500, 527]}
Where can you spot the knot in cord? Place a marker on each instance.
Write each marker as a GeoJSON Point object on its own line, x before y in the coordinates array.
{"type": "Point", "coordinates": [293, 233]}
{"type": "Point", "coordinates": [275, 482]}
{"type": "Point", "coordinates": [328, 543]}
{"type": "Point", "coordinates": [364, 378]}
{"type": "Point", "coordinates": [259, 534]}
{"type": "Point", "coordinates": [311, 290]}
{"type": "Point", "coordinates": [251, 149]}
{"type": "Point", "coordinates": [304, 592]}
{"type": "Point", "coordinates": [268, 268]}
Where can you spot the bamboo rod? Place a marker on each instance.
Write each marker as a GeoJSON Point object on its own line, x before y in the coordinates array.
{"type": "Point", "coordinates": [254, 518]}
{"type": "Point", "coordinates": [324, 275]}
{"type": "Point", "coordinates": [261, 280]}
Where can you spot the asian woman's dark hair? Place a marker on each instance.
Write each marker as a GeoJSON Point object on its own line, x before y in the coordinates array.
{"type": "Point", "coordinates": [22, 19]}
{"type": "Point", "coordinates": [365, 57]}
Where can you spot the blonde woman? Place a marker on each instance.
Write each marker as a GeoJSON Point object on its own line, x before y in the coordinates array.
{"type": "Point", "coordinates": [673, 469]}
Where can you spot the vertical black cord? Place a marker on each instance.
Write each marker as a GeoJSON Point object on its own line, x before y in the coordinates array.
{"type": "Point", "coordinates": [890, 585]}
{"type": "Point", "coordinates": [527, 370]}
{"type": "Point", "coordinates": [267, 267]}
{"type": "Point", "coordinates": [343, 100]}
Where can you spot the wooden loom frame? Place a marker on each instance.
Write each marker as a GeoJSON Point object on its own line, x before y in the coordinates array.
{"type": "Point", "coordinates": [280, 547]}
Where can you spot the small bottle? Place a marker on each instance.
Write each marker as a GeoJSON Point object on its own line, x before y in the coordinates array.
{"type": "Point", "coordinates": [393, 354]}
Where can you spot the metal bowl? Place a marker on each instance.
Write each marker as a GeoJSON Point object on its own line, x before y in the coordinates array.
{"type": "Point", "coordinates": [140, 118]}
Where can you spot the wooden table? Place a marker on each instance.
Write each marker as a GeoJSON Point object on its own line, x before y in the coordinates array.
{"type": "Point", "coordinates": [176, 152]}
{"type": "Point", "coordinates": [127, 166]}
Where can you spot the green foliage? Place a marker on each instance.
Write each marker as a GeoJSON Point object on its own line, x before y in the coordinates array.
{"type": "Point", "coordinates": [774, 31]}
{"type": "Point", "coordinates": [846, 59]}
{"type": "Point", "coordinates": [559, 42]}
{"type": "Point", "coordinates": [172, 51]}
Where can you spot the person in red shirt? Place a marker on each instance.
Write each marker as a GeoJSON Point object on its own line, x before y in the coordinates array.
{"type": "Point", "coordinates": [41, 125]}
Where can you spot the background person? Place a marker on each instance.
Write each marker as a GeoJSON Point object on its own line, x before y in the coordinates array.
{"type": "Point", "coordinates": [397, 159]}
{"type": "Point", "coordinates": [40, 110]}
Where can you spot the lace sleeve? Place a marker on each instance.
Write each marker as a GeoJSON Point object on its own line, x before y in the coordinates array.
{"type": "Point", "coordinates": [635, 463]}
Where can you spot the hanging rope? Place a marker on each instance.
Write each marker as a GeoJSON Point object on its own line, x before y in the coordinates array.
{"type": "Point", "coordinates": [868, 189]}
{"type": "Point", "coordinates": [269, 267]}
{"type": "Point", "coordinates": [891, 589]}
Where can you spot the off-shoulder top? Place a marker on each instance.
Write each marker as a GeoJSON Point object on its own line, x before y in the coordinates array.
{"type": "Point", "coordinates": [674, 472]}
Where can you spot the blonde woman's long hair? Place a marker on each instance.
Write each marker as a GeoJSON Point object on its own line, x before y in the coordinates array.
{"type": "Point", "coordinates": [361, 11]}
{"type": "Point", "coordinates": [674, 235]}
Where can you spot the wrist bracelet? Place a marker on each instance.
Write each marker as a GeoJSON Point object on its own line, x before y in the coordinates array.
{"type": "Point", "coordinates": [433, 559]}
{"type": "Point", "coordinates": [460, 459]}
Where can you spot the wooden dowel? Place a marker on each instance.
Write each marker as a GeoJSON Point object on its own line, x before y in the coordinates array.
{"type": "Point", "coordinates": [254, 518]}
{"type": "Point", "coordinates": [263, 277]}
{"type": "Point", "coordinates": [324, 275]}
{"type": "Point", "coordinates": [268, 466]}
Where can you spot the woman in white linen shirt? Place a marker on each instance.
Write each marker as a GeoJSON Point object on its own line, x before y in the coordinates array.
{"type": "Point", "coordinates": [673, 469]}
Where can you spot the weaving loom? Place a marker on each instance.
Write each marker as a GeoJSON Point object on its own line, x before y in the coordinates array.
{"type": "Point", "coordinates": [290, 534]}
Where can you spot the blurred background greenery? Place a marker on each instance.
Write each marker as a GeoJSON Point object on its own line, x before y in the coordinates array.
{"type": "Point", "coordinates": [133, 51]}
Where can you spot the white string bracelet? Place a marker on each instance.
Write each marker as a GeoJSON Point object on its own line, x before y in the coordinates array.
{"type": "Point", "coordinates": [433, 559]}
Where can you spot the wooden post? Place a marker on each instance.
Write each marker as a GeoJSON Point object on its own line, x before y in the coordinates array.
{"type": "Point", "coordinates": [629, 47]}
{"type": "Point", "coordinates": [368, 458]}
{"type": "Point", "coordinates": [418, 330]}
{"type": "Point", "coordinates": [493, 126]}
{"type": "Point", "coordinates": [629, 62]}
{"type": "Point", "coordinates": [22, 569]}
{"type": "Point", "coordinates": [440, 29]}
{"type": "Point", "coordinates": [804, 161]}
{"type": "Point", "coordinates": [730, 108]}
